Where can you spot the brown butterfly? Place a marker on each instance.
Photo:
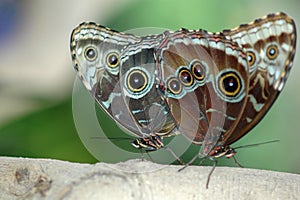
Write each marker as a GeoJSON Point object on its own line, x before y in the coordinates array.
{"type": "Point", "coordinates": [211, 87]}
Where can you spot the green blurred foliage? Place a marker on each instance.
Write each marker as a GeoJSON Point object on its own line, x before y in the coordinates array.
{"type": "Point", "coordinates": [192, 14]}
{"type": "Point", "coordinates": [50, 133]}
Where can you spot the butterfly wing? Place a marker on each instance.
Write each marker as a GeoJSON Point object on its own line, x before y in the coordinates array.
{"type": "Point", "coordinates": [206, 80]}
{"type": "Point", "coordinates": [96, 58]}
{"type": "Point", "coordinates": [144, 100]}
{"type": "Point", "coordinates": [270, 44]}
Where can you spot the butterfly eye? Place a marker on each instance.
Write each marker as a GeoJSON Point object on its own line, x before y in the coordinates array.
{"type": "Point", "coordinates": [174, 86]}
{"type": "Point", "coordinates": [112, 59]}
{"type": "Point", "coordinates": [230, 84]}
{"type": "Point", "coordinates": [198, 71]}
{"type": "Point", "coordinates": [91, 53]}
{"type": "Point", "coordinates": [272, 52]}
{"type": "Point", "coordinates": [137, 81]}
{"type": "Point", "coordinates": [185, 77]}
{"type": "Point", "coordinates": [251, 58]}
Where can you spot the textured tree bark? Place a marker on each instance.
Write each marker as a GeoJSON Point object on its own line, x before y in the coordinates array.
{"type": "Point", "coordinates": [22, 178]}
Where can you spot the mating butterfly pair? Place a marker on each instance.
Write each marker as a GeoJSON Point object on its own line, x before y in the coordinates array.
{"type": "Point", "coordinates": [211, 87]}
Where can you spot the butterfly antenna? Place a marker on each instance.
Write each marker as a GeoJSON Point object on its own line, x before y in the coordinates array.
{"type": "Point", "coordinates": [253, 145]}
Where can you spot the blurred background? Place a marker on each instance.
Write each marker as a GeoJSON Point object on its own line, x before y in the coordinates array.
{"type": "Point", "coordinates": [36, 73]}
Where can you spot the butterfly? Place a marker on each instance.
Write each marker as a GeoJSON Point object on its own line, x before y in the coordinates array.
{"type": "Point", "coordinates": [211, 87]}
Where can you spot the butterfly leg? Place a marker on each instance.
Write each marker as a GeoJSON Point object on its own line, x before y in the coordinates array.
{"type": "Point", "coordinates": [148, 154]}
{"type": "Point", "coordinates": [191, 161]}
{"type": "Point", "coordinates": [211, 172]}
{"type": "Point", "coordinates": [174, 155]}
{"type": "Point", "coordinates": [142, 155]}
{"type": "Point", "coordinates": [236, 162]}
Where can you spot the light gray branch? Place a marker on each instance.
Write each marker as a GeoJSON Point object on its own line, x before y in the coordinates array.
{"type": "Point", "coordinates": [22, 178]}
